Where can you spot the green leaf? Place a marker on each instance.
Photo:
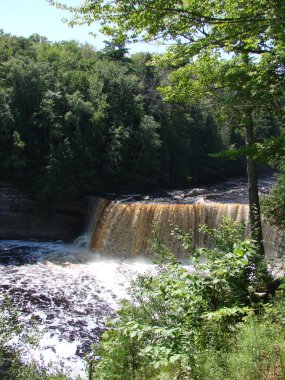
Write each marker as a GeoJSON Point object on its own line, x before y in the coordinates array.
{"type": "Point", "coordinates": [174, 358]}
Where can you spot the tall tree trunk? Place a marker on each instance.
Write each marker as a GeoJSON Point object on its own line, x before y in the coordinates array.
{"type": "Point", "coordinates": [254, 205]}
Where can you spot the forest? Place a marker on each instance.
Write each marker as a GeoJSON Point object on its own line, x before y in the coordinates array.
{"type": "Point", "coordinates": [78, 122]}
{"type": "Point", "coordinates": [75, 121]}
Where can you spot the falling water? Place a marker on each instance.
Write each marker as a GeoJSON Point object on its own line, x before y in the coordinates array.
{"type": "Point", "coordinates": [274, 243]}
{"type": "Point", "coordinates": [95, 208]}
{"type": "Point", "coordinates": [125, 229]}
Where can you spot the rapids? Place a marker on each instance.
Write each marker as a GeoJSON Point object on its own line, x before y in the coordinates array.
{"type": "Point", "coordinates": [68, 291]}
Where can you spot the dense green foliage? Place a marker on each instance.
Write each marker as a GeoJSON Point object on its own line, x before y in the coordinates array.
{"type": "Point", "coordinates": [190, 323]}
{"type": "Point", "coordinates": [228, 54]}
{"type": "Point", "coordinates": [229, 48]}
{"type": "Point", "coordinates": [273, 151]}
{"type": "Point", "coordinates": [256, 350]}
{"type": "Point", "coordinates": [274, 205]}
{"type": "Point", "coordinates": [75, 121]}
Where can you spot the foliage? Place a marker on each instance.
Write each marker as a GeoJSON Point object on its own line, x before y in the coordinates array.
{"type": "Point", "coordinates": [274, 205]}
{"type": "Point", "coordinates": [227, 55]}
{"type": "Point", "coordinates": [256, 351]}
{"type": "Point", "coordinates": [203, 30]}
{"type": "Point", "coordinates": [75, 121]}
{"type": "Point", "coordinates": [219, 23]}
{"type": "Point", "coordinates": [175, 317]}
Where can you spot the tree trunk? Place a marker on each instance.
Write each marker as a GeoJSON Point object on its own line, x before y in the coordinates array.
{"type": "Point", "coordinates": [254, 205]}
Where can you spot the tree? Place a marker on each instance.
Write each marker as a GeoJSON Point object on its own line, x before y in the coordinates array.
{"type": "Point", "coordinates": [115, 51]}
{"type": "Point", "coordinates": [234, 26]}
{"type": "Point", "coordinates": [235, 90]}
{"type": "Point", "coordinates": [274, 204]}
{"type": "Point", "coordinates": [202, 31]}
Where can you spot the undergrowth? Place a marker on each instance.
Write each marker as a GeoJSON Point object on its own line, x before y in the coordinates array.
{"type": "Point", "coordinates": [216, 319]}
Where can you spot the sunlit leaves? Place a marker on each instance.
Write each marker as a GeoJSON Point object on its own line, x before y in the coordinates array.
{"type": "Point", "coordinates": [173, 316]}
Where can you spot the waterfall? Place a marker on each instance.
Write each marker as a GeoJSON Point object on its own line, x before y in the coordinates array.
{"type": "Point", "coordinates": [95, 208]}
{"type": "Point", "coordinates": [125, 229]}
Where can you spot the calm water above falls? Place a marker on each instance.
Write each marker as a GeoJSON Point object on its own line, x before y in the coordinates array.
{"type": "Point", "coordinates": [67, 290]}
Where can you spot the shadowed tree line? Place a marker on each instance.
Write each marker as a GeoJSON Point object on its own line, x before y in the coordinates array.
{"type": "Point", "coordinates": [78, 121]}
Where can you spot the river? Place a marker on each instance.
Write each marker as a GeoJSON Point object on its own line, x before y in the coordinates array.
{"type": "Point", "coordinates": [68, 291]}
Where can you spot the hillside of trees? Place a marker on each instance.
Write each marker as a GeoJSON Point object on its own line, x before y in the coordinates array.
{"type": "Point", "coordinates": [75, 121]}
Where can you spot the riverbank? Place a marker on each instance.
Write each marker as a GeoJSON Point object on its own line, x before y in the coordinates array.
{"type": "Point", "coordinates": [24, 218]}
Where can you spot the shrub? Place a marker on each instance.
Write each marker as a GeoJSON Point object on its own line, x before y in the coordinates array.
{"type": "Point", "coordinates": [177, 316]}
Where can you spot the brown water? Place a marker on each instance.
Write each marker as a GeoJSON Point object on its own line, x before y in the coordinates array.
{"type": "Point", "coordinates": [125, 229]}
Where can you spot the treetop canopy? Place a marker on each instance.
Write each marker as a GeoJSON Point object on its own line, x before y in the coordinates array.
{"type": "Point", "coordinates": [239, 26]}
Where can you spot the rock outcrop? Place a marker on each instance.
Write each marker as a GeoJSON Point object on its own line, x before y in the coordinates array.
{"type": "Point", "coordinates": [23, 218]}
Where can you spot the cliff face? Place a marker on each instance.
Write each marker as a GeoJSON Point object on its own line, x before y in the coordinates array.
{"type": "Point", "coordinates": [22, 218]}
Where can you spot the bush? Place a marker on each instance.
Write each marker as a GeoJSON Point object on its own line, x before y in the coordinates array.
{"type": "Point", "coordinates": [256, 351]}
{"type": "Point", "coordinates": [182, 315]}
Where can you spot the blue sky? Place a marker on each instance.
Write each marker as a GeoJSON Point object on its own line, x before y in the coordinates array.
{"type": "Point", "coordinates": [26, 17]}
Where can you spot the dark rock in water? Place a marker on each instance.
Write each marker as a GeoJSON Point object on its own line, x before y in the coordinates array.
{"type": "Point", "coordinates": [160, 194]}
{"type": "Point", "coordinates": [232, 191]}
{"type": "Point", "coordinates": [197, 191]}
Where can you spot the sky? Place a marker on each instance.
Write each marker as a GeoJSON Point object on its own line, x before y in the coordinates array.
{"type": "Point", "coordinates": [26, 17]}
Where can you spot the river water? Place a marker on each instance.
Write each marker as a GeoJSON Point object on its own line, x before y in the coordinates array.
{"type": "Point", "coordinates": [68, 291]}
